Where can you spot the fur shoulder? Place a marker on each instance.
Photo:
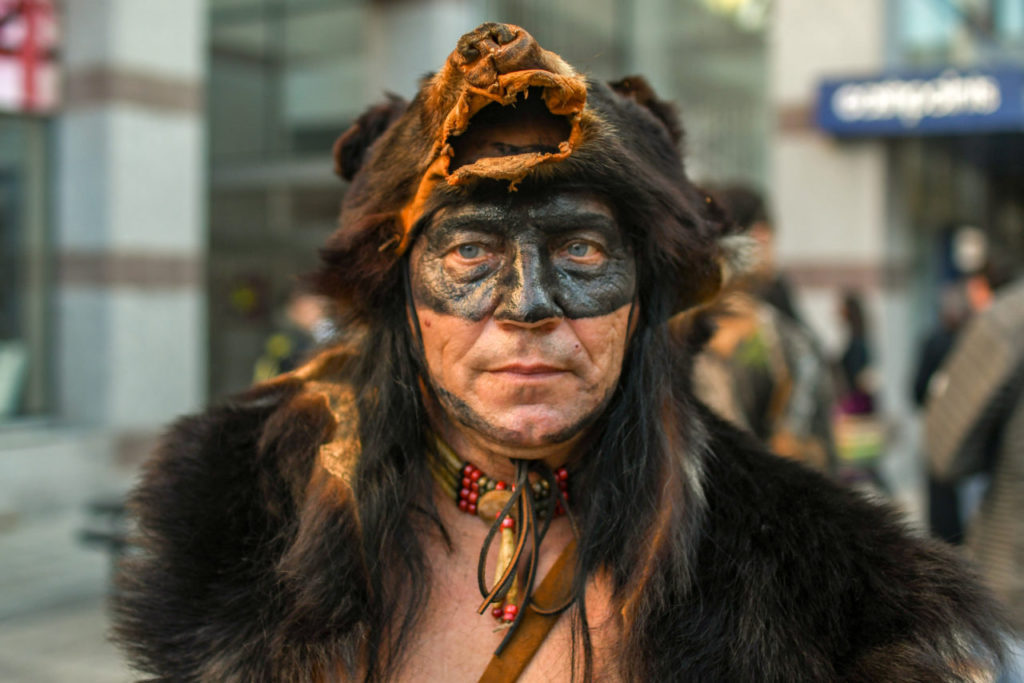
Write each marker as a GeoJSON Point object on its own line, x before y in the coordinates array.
{"type": "Point", "coordinates": [213, 587]}
{"type": "Point", "coordinates": [819, 583]}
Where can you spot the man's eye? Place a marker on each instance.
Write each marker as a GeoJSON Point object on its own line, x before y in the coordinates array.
{"type": "Point", "coordinates": [579, 249]}
{"type": "Point", "coordinates": [470, 251]}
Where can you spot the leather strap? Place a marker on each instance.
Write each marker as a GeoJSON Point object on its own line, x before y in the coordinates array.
{"type": "Point", "coordinates": [534, 626]}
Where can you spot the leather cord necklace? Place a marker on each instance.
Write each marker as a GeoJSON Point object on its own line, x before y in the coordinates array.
{"type": "Point", "coordinates": [520, 512]}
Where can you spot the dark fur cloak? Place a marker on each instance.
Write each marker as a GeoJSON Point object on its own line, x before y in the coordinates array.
{"type": "Point", "coordinates": [250, 569]}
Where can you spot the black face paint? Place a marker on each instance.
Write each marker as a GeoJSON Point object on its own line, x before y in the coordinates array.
{"type": "Point", "coordinates": [558, 257]}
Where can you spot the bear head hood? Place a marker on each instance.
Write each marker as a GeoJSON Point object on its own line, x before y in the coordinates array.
{"type": "Point", "coordinates": [504, 115]}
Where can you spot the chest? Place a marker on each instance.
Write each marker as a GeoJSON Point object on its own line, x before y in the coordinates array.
{"type": "Point", "coordinates": [454, 643]}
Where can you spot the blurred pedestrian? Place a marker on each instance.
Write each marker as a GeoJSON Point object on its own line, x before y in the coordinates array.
{"type": "Point", "coordinates": [944, 519]}
{"type": "Point", "coordinates": [304, 325]}
{"type": "Point", "coordinates": [855, 363]}
{"type": "Point", "coordinates": [976, 272]}
{"type": "Point", "coordinates": [762, 369]}
{"type": "Point", "coordinates": [860, 428]}
{"type": "Point", "coordinates": [975, 424]}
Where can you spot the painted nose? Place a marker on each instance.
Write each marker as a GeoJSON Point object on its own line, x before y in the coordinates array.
{"type": "Point", "coordinates": [527, 292]}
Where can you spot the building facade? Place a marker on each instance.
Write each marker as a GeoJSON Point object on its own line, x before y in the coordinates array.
{"type": "Point", "coordinates": [873, 212]}
{"type": "Point", "coordinates": [104, 300]}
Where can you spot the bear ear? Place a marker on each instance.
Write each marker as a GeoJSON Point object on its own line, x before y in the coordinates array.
{"type": "Point", "coordinates": [737, 250]}
{"type": "Point", "coordinates": [350, 149]}
{"type": "Point", "coordinates": [640, 91]}
{"type": "Point", "coordinates": [715, 214]}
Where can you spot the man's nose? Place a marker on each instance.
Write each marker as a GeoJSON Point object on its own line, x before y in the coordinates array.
{"type": "Point", "coordinates": [527, 291]}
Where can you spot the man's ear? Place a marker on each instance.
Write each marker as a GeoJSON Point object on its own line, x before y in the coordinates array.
{"type": "Point", "coordinates": [350, 149]}
{"type": "Point", "coordinates": [640, 91]}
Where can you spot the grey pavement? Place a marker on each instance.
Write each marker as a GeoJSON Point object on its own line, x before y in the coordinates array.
{"type": "Point", "coordinates": [62, 643]}
{"type": "Point", "coordinates": [53, 624]}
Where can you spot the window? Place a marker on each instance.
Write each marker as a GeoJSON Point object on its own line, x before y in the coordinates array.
{"type": "Point", "coordinates": [23, 267]}
{"type": "Point", "coordinates": [963, 32]}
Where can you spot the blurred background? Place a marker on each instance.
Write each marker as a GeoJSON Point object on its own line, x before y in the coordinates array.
{"type": "Point", "coordinates": [165, 173]}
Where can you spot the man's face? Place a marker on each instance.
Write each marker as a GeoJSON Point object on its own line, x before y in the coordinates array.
{"type": "Point", "coordinates": [524, 309]}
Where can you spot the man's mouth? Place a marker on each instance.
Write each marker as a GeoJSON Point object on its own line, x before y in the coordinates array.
{"type": "Point", "coordinates": [529, 370]}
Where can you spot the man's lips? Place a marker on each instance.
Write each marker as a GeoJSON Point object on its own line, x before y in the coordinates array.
{"type": "Point", "coordinates": [535, 370]}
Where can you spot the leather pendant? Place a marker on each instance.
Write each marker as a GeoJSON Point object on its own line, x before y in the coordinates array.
{"type": "Point", "coordinates": [491, 503]}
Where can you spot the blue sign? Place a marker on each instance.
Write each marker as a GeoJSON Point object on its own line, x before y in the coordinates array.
{"type": "Point", "coordinates": [938, 103]}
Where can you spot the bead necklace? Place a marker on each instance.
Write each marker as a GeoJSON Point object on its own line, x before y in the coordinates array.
{"type": "Point", "coordinates": [496, 503]}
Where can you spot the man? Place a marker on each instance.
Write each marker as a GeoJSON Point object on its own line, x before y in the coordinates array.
{"type": "Point", "coordinates": [511, 462]}
{"type": "Point", "coordinates": [762, 370]}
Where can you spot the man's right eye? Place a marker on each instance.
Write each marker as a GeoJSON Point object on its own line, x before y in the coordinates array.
{"type": "Point", "coordinates": [470, 251]}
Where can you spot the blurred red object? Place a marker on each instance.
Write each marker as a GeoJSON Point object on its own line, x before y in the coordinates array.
{"type": "Point", "coordinates": [28, 69]}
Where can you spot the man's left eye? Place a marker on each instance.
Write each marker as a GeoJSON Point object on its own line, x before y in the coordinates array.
{"type": "Point", "coordinates": [581, 250]}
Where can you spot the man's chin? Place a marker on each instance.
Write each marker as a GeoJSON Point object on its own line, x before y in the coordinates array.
{"type": "Point", "coordinates": [523, 427]}
{"type": "Point", "coordinates": [518, 428]}
{"type": "Point", "coordinates": [533, 433]}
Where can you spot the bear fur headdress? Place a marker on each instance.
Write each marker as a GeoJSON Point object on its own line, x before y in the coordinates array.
{"type": "Point", "coordinates": [503, 115]}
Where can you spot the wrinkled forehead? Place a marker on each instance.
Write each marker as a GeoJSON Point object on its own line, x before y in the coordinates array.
{"type": "Point", "coordinates": [511, 212]}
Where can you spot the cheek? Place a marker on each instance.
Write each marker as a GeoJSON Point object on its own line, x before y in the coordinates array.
{"type": "Point", "coordinates": [446, 341]}
{"type": "Point", "coordinates": [603, 340]}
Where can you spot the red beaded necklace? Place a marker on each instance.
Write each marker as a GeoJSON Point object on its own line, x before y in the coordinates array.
{"type": "Point", "coordinates": [496, 502]}
{"type": "Point", "coordinates": [475, 485]}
